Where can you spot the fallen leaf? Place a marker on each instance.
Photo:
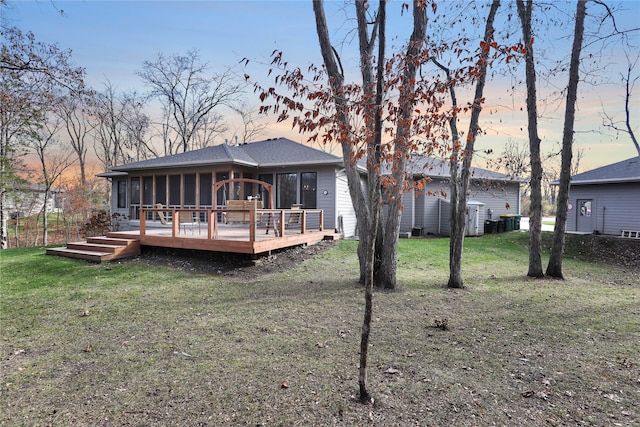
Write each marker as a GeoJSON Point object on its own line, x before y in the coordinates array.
{"type": "Point", "coordinates": [85, 313]}
{"type": "Point", "coordinates": [88, 349]}
{"type": "Point", "coordinates": [284, 385]}
{"type": "Point", "coordinates": [392, 371]}
{"type": "Point", "coordinates": [529, 393]}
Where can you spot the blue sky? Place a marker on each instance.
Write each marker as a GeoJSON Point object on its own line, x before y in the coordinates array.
{"type": "Point", "coordinates": [111, 39]}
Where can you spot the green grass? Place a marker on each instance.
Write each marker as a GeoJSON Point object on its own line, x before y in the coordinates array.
{"type": "Point", "coordinates": [176, 348]}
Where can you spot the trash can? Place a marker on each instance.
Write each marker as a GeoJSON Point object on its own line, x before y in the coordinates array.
{"type": "Point", "coordinates": [500, 225]}
{"type": "Point", "coordinates": [490, 226]}
{"type": "Point", "coordinates": [508, 222]}
{"type": "Point", "coordinates": [516, 222]}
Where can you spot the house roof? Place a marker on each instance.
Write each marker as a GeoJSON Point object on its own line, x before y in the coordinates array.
{"type": "Point", "coordinates": [437, 168]}
{"type": "Point", "coordinates": [624, 171]}
{"type": "Point", "coordinates": [267, 153]}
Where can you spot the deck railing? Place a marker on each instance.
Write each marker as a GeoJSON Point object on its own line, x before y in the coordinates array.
{"type": "Point", "coordinates": [280, 222]}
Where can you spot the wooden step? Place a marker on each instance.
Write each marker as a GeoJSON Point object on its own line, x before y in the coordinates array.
{"type": "Point", "coordinates": [99, 249]}
{"type": "Point", "coordinates": [80, 254]}
{"type": "Point", "coordinates": [111, 240]}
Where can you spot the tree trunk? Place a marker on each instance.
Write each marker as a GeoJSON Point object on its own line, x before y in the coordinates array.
{"type": "Point", "coordinates": [459, 194]}
{"type": "Point", "coordinates": [45, 219]}
{"type": "Point", "coordinates": [535, 221]}
{"type": "Point", "coordinates": [554, 268]}
{"type": "Point", "coordinates": [402, 146]}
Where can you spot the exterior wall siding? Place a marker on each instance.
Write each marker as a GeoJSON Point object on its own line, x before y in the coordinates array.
{"type": "Point", "coordinates": [494, 196]}
{"type": "Point", "coordinates": [344, 206]}
{"type": "Point", "coordinates": [615, 207]}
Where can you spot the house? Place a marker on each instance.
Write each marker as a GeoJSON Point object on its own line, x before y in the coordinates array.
{"type": "Point", "coordinates": [606, 200]}
{"type": "Point", "coordinates": [300, 175]}
{"type": "Point", "coordinates": [29, 200]}
{"type": "Point", "coordinates": [426, 210]}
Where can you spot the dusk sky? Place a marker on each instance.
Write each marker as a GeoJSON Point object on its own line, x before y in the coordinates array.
{"type": "Point", "coordinates": [112, 39]}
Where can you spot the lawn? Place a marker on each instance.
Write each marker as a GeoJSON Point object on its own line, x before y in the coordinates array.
{"type": "Point", "coordinates": [127, 343]}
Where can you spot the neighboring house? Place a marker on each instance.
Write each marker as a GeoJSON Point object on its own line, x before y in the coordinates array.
{"type": "Point", "coordinates": [301, 175]}
{"type": "Point", "coordinates": [426, 210]}
{"type": "Point", "coordinates": [29, 201]}
{"type": "Point", "coordinates": [606, 200]}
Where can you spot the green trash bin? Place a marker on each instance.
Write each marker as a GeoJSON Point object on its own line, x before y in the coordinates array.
{"type": "Point", "coordinates": [516, 222]}
{"type": "Point", "coordinates": [508, 222]}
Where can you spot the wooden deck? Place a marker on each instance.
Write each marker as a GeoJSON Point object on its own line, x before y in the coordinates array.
{"type": "Point", "coordinates": [266, 230]}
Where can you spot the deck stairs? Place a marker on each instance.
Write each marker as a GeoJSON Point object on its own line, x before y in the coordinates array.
{"type": "Point", "coordinates": [99, 249]}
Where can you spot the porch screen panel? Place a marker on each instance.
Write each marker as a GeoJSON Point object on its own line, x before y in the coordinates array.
{"type": "Point", "coordinates": [223, 192]}
{"type": "Point", "coordinates": [174, 190]}
{"type": "Point", "coordinates": [147, 194]}
{"type": "Point", "coordinates": [135, 191]}
{"type": "Point", "coordinates": [308, 184]}
{"type": "Point", "coordinates": [134, 207]}
{"type": "Point", "coordinates": [206, 185]}
{"type": "Point", "coordinates": [122, 193]}
{"type": "Point", "coordinates": [286, 190]}
{"type": "Point", "coordinates": [190, 190]}
{"type": "Point", "coordinates": [248, 186]}
{"type": "Point", "coordinates": [161, 189]}
{"type": "Point", "coordinates": [264, 194]}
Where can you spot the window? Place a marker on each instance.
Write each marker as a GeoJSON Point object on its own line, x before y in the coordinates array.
{"type": "Point", "coordinates": [308, 182]}
{"type": "Point", "coordinates": [286, 190]}
{"type": "Point", "coordinates": [122, 193]}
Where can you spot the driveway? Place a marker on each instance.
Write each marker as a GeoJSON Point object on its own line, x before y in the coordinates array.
{"type": "Point", "coordinates": [524, 223]}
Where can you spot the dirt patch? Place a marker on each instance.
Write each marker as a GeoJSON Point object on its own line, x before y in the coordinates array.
{"type": "Point", "coordinates": [234, 266]}
{"type": "Point", "coordinates": [611, 249]}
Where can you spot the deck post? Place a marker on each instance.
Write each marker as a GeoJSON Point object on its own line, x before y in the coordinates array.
{"type": "Point", "coordinates": [175, 224]}
{"type": "Point", "coordinates": [281, 224]}
{"type": "Point", "coordinates": [252, 226]}
{"type": "Point", "coordinates": [143, 223]}
{"type": "Point", "coordinates": [321, 220]}
{"type": "Point", "coordinates": [303, 222]}
{"type": "Point", "coordinates": [211, 226]}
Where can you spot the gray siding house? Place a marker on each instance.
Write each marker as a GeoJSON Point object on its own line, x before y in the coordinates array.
{"type": "Point", "coordinates": [606, 200]}
{"type": "Point", "coordinates": [427, 209]}
{"type": "Point", "coordinates": [301, 175]}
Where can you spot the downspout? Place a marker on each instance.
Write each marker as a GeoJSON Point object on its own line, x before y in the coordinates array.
{"type": "Point", "coordinates": [604, 208]}
{"type": "Point", "coordinates": [439, 214]}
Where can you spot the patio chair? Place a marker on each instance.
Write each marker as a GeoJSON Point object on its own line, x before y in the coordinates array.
{"type": "Point", "coordinates": [294, 217]}
{"type": "Point", "coordinates": [186, 218]}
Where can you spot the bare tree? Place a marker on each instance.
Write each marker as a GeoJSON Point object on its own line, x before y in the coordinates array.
{"type": "Point", "coordinates": [629, 82]}
{"type": "Point", "coordinates": [554, 268]}
{"type": "Point", "coordinates": [252, 127]}
{"type": "Point", "coordinates": [460, 159]}
{"type": "Point", "coordinates": [30, 72]}
{"type": "Point", "coordinates": [189, 97]}
{"type": "Point", "coordinates": [73, 110]}
{"type": "Point", "coordinates": [525, 12]}
{"type": "Point", "coordinates": [54, 159]}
